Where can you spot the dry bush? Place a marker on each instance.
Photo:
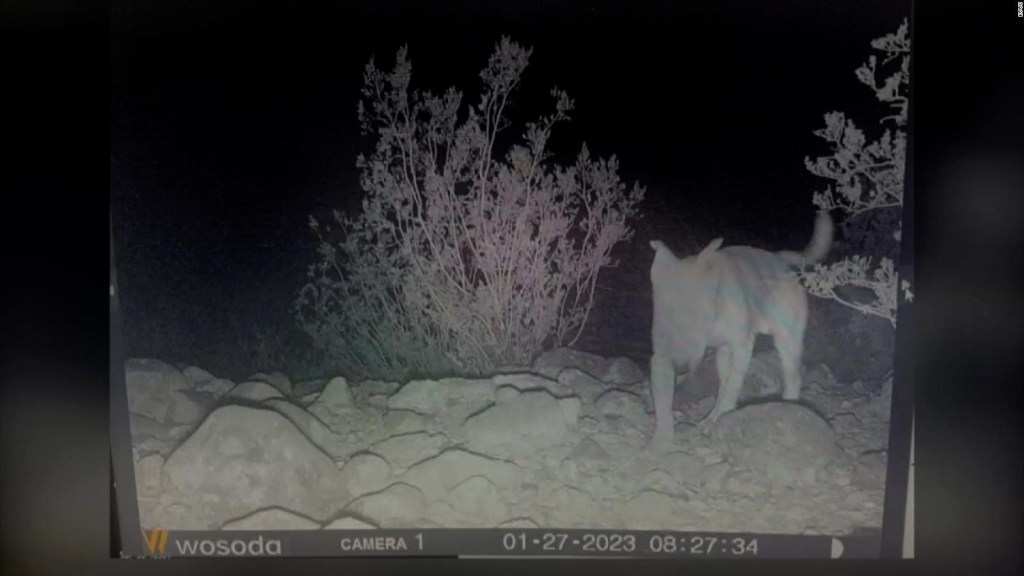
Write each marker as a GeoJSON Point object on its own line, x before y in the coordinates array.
{"type": "Point", "coordinates": [868, 188]}
{"type": "Point", "coordinates": [461, 261]}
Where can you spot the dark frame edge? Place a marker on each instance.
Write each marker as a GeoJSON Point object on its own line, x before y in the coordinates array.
{"type": "Point", "coordinates": [902, 414]}
{"type": "Point", "coordinates": [124, 501]}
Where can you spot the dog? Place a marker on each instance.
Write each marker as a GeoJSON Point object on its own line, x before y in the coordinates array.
{"type": "Point", "coordinates": [722, 298]}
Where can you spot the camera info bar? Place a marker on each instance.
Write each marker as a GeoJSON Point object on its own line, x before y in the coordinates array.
{"type": "Point", "coordinates": [527, 542]}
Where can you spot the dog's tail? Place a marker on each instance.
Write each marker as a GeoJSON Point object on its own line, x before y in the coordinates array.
{"type": "Point", "coordinates": [821, 242]}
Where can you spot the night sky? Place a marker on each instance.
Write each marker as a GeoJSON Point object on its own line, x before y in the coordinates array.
{"type": "Point", "coordinates": [232, 122]}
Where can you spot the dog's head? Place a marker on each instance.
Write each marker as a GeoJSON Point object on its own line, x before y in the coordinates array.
{"type": "Point", "coordinates": [684, 291]}
{"type": "Point", "coordinates": [668, 269]}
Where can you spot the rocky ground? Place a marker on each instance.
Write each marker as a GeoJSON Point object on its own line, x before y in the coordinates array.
{"type": "Point", "coordinates": [560, 444]}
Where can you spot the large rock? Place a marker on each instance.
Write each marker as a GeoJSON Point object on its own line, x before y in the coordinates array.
{"type": "Point", "coordinates": [406, 421]}
{"type": "Point", "coordinates": [150, 436]}
{"type": "Point", "coordinates": [476, 499]}
{"type": "Point", "coordinates": [628, 406]}
{"type": "Point", "coordinates": [404, 450]}
{"type": "Point", "coordinates": [783, 442]}
{"type": "Point", "coordinates": [369, 388]}
{"type": "Point", "coordinates": [349, 522]}
{"type": "Point", "coordinates": [197, 375]}
{"type": "Point", "coordinates": [254, 391]}
{"type": "Point", "coordinates": [152, 386]}
{"type": "Point", "coordinates": [397, 506]}
{"type": "Point", "coordinates": [147, 475]}
{"type": "Point", "coordinates": [532, 382]}
{"type": "Point", "coordinates": [276, 379]}
{"type": "Point", "coordinates": [336, 397]}
{"type": "Point", "coordinates": [451, 400]}
{"type": "Point", "coordinates": [526, 423]}
{"type": "Point", "coordinates": [189, 406]}
{"type": "Point", "coordinates": [620, 371]}
{"type": "Point", "coordinates": [652, 510]}
{"type": "Point", "coordinates": [437, 476]}
{"type": "Point", "coordinates": [242, 459]}
{"type": "Point", "coordinates": [272, 519]}
{"type": "Point", "coordinates": [217, 387]}
{"type": "Point", "coordinates": [551, 363]}
{"type": "Point", "coordinates": [423, 396]}
{"type": "Point", "coordinates": [365, 473]}
{"type": "Point", "coordinates": [312, 427]}
{"type": "Point", "coordinates": [582, 384]}
{"type": "Point", "coordinates": [305, 387]}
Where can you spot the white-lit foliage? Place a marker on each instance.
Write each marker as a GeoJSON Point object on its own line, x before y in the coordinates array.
{"type": "Point", "coordinates": [866, 176]}
{"type": "Point", "coordinates": [461, 261]}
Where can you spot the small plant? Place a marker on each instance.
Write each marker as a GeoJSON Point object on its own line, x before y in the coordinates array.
{"type": "Point", "coordinates": [867, 179]}
{"type": "Point", "coordinates": [462, 259]}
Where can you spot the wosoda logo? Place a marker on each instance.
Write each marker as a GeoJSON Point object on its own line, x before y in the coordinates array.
{"type": "Point", "coordinates": [237, 547]}
{"type": "Point", "coordinates": [156, 543]}
{"type": "Point", "coordinates": [156, 540]}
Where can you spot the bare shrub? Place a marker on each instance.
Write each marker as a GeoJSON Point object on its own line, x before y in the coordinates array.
{"type": "Point", "coordinates": [461, 261]}
{"type": "Point", "coordinates": [868, 187]}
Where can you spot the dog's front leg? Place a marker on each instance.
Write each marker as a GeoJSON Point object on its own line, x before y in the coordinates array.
{"type": "Point", "coordinates": [663, 381]}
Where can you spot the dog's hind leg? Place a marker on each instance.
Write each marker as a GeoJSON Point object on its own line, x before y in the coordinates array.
{"type": "Point", "coordinates": [732, 362]}
{"type": "Point", "coordinates": [788, 339]}
{"type": "Point", "coordinates": [663, 381]}
{"type": "Point", "coordinates": [789, 348]}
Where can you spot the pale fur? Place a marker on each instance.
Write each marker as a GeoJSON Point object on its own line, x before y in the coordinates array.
{"type": "Point", "coordinates": [722, 298]}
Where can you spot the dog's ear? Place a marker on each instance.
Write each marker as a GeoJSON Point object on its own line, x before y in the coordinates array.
{"type": "Point", "coordinates": [708, 250]}
{"type": "Point", "coordinates": [657, 245]}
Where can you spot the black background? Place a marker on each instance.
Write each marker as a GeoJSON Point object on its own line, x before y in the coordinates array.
{"type": "Point", "coordinates": [55, 460]}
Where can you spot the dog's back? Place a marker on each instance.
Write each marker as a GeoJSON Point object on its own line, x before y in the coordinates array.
{"type": "Point", "coordinates": [758, 293]}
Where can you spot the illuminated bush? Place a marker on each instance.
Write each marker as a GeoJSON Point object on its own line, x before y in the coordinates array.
{"type": "Point", "coordinates": [461, 260]}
